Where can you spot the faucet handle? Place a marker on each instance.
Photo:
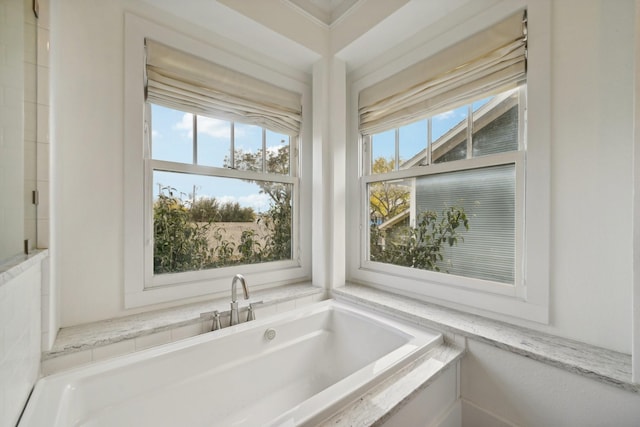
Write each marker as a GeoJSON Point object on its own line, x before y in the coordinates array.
{"type": "Point", "coordinates": [250, 313]}
{"type": "Point", "coordinates": [216, 321]}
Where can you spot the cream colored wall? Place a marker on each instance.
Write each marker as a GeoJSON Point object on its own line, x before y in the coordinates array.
{"type": "Point", "coordinates": [591, 171]}
{"type": "Point", "coordinates": [501, 389]}
{"type": "Point", "coordinates": [591, 78]}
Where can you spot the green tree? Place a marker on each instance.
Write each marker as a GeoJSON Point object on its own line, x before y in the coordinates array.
{"type": "Point", "coordinates": [179, 243]}
{"type": "Point", "coordinates": [387, 199]}
{"type": "Point", "coordinates": [420, 246]}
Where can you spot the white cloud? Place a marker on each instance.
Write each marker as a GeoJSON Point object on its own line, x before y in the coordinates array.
{"type": "Point", "coordinates": [444, 116]}
{"type": "Point", "coordinates": [155, 134]}
{"type": "Point", "coordinates": [215, 128]}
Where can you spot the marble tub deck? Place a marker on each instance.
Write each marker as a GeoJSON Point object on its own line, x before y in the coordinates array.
{"type": "Point", "coordinates": [607, 366]}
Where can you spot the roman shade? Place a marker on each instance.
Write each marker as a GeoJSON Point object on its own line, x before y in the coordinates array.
{"type": "Point", "coordinates": [485, 63]}
{"type": "Point", "coordinates": [182, 81]}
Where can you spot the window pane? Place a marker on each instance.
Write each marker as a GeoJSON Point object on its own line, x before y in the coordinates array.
{"type": "Point", "coordinates": [449, 135]}
{"type": "Point", "coordinates": [203, 222]}
{"type": "Point", "coordinates": [413, 144]}
{"type": "Point", "coordinates": [432, 234]}
{"type": "Point", "coordinates": [277, 152]}
{"type": "Point", "coordinates": [495, 124]}
{"type": "Point", "coordinates": [383, 151]}
{"type": "Point", "coordinates": [171, 135]}
{"type": "Point", "coordinates": [214, 141]}
{"type": "Point", "coordinates": [248, 147]}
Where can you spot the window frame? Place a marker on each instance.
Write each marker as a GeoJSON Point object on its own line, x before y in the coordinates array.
{"type": "Point", "coordinates": [531, 300]}
{"type": "Point", "coordinates": [516, 158]}
{"type": "Point", "coordinates": [140, 287]}
{"type": "Point", "coordinates": [151, 165]}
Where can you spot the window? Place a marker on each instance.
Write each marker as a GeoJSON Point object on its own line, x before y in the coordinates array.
{"type": "Point", "coordinates": [213, 165]}
{"type": "Point", "coordinates": [453, 181]}
{"type": "Point", "coordinates": [442, 191]}
{"type": "Point", "coordinates": [214, 209]}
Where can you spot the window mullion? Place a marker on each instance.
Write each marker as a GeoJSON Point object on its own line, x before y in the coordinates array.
{"type": "Point", "coordinates": [195, 139]}
{"type": "Point", "coordinates": [232, 147]}
{"type": "Point", "coordinates": [264, 150]}
{"type": "Point", "coordinates": [429, 140]}
{"type": "Point", "coordinates": [397, 149]}
{"type": "Point", "coordinates": [469, 131]}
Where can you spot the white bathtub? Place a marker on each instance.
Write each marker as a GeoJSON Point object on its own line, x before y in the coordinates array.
{"type": "Point", "coordinates": [322, 356]}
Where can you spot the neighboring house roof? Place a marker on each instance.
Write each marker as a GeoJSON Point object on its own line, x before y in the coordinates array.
{"type": "Point", "coordinates": [447, 142]}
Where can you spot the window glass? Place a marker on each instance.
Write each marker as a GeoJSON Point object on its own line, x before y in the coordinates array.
{"type": "Point", "coordinates": [214, 140]}
{"type": "Point", "coordinates": [210, 219]}
{"type": "Point", "coordinates": [413, 144]}
{"type": "Point", "coordinates": [248, 147]}
{"type": "Point", "coordinates": [463, 223]}
{"type": "Point", "coordinates": [383, 149]}
{"type": "Point", "coordinates": [202, 222]}
{"type": "Point", "coordinates": [171, 135]}
{"type": "Point", "coordinates": [449, 135]}
{"type": "Point", "coordinates": [278, 159]}
{"type": "Point", "coordinates": [495, 124]}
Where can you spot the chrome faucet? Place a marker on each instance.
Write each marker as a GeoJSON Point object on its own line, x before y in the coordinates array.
{"type": "Point", "coordinates": [234, 303]}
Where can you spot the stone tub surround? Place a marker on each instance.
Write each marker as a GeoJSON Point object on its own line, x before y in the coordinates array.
{"type": "Point", "coordinates": [384, 400]}
{"type": "Point", "coordinates": [18, 265]}
{"type": "Point", "coordinates": [607, 366]}
{"type": "Point", "coordinates": [76, 345]}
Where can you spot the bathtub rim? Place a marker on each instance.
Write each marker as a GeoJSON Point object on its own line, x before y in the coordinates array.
{"type": "Point", "coordinates": [64, 380]}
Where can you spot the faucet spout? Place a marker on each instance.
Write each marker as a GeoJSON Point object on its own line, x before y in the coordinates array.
{"type": "Point", "coordinates": [234, 301]}
{"type": "Point", "coordinates": [234, 294]}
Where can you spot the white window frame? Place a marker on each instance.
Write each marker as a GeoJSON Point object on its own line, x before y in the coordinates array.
{"type": "Point", "coordinates": [141, 286]}
{"type": "Point", "coordinates": [530, 298]}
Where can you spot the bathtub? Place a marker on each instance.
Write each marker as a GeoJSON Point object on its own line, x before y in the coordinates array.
{"type": "Point", "coordinates": [294, 368]}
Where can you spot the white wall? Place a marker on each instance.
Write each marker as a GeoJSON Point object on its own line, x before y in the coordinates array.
{"type": "Point", "coordinates": [87, 83]}
{"type": "Point", "coordinates": [591, 162]}
{"type": "Point", "coordinates": [500, 388]}
{"type": "Point", "coordinates": [591, 166]}
{"type": "Point", "coordinates": [19, 342]}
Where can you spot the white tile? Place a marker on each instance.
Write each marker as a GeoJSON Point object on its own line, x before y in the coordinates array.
{"type": "Point", "coordinates": [30, 82]}
{"type": "Point", "coordinates": [43, 85]}
{"type": "Point", "coordinates": [44, 16]}
{"type": "Point", "coordinates": [186, 331]}
{"type": "Point", "coordinates": [302, 301]}
{"type": "Point", "coordinates": [30, 43]}
{"type": "Point", "coordinates": [286, 306]}
{"type": "Point", "coordinates": [30, 117]}
{"type": "Point", "coordinates": [43, 123]}
{"type": "Point", "coordinates": [68, 361]}
{"type": "Point", "coordinates": [43, 198]}
{"type": "Point", "coordinates": [113, 350]}
{"type": "Point", "coordinates": [43, 233]}
{"type": "Point", "coordinates": [263, 311]}
{"type": "Point", "coordinates": [148, 341]}
{"type": "Point", "coordinates": [43, 47]}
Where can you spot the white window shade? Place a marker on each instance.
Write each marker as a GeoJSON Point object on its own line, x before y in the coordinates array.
{"type": "Point", "coordinates": [490, 61]}
{"type": "Point", "coordinates": [182, 81]}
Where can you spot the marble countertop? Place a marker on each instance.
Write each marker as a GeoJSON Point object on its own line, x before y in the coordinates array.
{"type": "Point", "coordinates": [382, 401]}
{"type": "Point", "coordinates": [16, 266]}
{"type": "Point", "coordinates": [96, 334]}
{"type": "Point", "coordinates": [603, 365]}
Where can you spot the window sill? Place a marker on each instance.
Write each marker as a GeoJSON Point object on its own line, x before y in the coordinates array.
{"type": "Point", "coordinates": [593, 362]}
{"type": "Point", "coordinates": [88, 342]}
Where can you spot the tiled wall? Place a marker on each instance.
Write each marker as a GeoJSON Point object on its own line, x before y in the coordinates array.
{"type": "Point", "coordinates": [11, 128]}
{"type": "Point", "coordinates": [36, 114]}
{"type": "Point", "coordinates": [19, 341]}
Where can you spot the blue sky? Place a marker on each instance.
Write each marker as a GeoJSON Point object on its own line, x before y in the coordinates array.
{"type": "Point", "coordinates": [172, 139]}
